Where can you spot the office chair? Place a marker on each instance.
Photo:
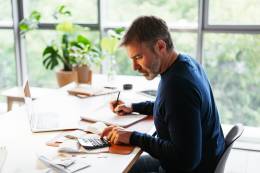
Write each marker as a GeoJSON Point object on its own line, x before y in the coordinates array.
{"type": "Point", "coordinates": [231, 137]}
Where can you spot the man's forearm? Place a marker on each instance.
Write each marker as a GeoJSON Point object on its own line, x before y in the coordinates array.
{"type": "Point", "coordinates": [143, 107]}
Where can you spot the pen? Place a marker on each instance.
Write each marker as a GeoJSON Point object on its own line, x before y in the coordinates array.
{"type": "Point", "coordinates": [117, 99]}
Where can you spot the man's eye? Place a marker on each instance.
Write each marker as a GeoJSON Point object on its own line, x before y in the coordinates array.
{"type": "Point", "coordinates": [138, 57]}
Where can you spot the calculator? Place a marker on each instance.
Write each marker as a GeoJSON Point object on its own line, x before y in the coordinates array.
{"type": "Point", "coordinates": [93, 143]}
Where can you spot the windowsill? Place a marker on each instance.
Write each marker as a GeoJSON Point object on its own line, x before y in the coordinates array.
{"type": "Point", "coordinates": [139, 82]}
{"type": "Point", "coordinates": [250, 139]}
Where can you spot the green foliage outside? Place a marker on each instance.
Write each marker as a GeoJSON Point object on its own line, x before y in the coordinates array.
{"type": "Point", "coordinates": [234, 12]}
{"type": "Point", "coordinates": [232, 63]}
{"type": "Point", "coordinates": [109, 45]}
{"type": "Point", "coordinates": [83, 11]}
{"type": "Point", "coordinates": [172, 11]}
{"type": "Point", "coordinates": [5, 10]}
{"type": "Point", "coordinates": [7, 61]}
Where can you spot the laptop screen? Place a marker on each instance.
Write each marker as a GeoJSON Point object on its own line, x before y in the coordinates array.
{"type": "Point", "coordinates": [26, 89]}
{"type": "Point", "coordinates": [46, 116]}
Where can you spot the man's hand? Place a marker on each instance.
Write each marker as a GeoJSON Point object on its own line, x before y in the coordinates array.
{"type": "Point", "coordinates": [120, 108]}
{"type": "Point", "coordinates": [117, 135]}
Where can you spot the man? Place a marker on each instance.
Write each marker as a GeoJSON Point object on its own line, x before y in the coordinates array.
{"type": "Point", "coordinates": [189, 135]}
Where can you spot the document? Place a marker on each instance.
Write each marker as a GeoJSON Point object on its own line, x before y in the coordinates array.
{"type": "Point", "coordinates": [69, 165]}
{"type": "Point", "coordinates": [106, 116]}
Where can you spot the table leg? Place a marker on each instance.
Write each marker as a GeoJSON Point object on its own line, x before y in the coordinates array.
{"type": "Point", "coordinates": [9, 103]}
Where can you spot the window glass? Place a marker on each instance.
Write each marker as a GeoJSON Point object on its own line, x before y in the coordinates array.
{"type": "Point", "coordinates": [232, 64]}
{"type": "Point", "coordinates": [36, 41]}
{"type": "Point", "coordinates": [234, 12]}
{"type": "Point", "coordinates": [185, 42]}
{"type": "Point", "coordinates": [7, 60]}
{"type": "Point", "coordinates": [5, 11]}
{"type": "Point", "coordinates": [177, 12]}
{"type": "Point", "coordinates": [124, 64]}
{"type": "Point", "coordinates": [82, 11]}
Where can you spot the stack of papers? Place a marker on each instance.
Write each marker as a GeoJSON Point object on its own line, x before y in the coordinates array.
{"type": "Point", "coordinates": [96, 128]}
{"type": "Point", "coordinates": [68, 165]}
{"type": "Point", "coordinates": [89, 90]}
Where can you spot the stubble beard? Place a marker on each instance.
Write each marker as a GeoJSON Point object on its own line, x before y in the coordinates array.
{"type": "Point", "coordinates": [153, 70]}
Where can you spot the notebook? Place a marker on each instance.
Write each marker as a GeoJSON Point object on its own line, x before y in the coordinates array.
{"type": "Point", "coordinates": [89, 90]}
{"type": "Point", "coordinates": [151, 93]}
{"type": "Point", "coordinates": [106, 116]}
{"type": "Point", "coordinates": [46, 119]}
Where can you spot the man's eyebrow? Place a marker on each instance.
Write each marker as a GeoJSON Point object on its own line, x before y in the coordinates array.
{"type": "Point", "coordinates": [133, 57]}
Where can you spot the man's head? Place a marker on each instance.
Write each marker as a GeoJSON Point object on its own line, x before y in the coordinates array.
{"type": "Point", "coordinates": [148, 42]}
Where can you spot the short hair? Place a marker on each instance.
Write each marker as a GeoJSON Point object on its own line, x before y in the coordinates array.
{"type": "Point", "coordinates": [148, 29]}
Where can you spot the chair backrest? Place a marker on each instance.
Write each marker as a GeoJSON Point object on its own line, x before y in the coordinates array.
{"type": "Point", "coordinates": [231, 137]}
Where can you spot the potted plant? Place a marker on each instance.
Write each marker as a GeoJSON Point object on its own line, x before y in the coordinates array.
{"type": "Point", "coordinates": [85, 54]}
{"type": "Point", "coordinates": [71, 48]}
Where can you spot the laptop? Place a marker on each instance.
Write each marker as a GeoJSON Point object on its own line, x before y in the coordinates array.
{"type": "Point", "coordinates": [45, 119]}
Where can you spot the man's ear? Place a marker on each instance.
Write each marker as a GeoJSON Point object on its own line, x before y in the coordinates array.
{"type": "Point", "coordinates": [160, 46]}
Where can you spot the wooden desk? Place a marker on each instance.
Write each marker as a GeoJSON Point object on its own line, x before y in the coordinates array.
{"type": "Point", "coordinates": [15, 94]}
{"type": "Point", "coordinates": [23, 146]}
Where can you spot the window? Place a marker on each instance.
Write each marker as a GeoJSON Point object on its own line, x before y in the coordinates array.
{"type": "Point", "coordinates": [7, 60]}
{"type": "Point", "coordinates": [7, 56]}
{"type": "Point", "coordinates": [232, 64]}
{"type": "Point", "coordinates": [185, 42]}
{"type": "Point", "coordinates": [175, 12]}
{"type": "Point", "coordinates": [5, 11]}
{"type": "Point", "coordinates": [234, 12]}
{"type": "Point", "coordinates": [35, 44]}
{"type": "Point", "coordinates": [124, 64]}
{"type": "Point", "coordinates": [82, 11]}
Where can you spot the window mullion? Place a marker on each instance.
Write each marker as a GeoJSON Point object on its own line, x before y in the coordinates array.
{"type": "Point", "coordinates": [21, 68]}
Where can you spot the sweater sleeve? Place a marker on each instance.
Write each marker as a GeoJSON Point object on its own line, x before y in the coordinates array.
{"type": "Point", "coordinates": [182, 116]}
{"type": "Point", "coordinates": [143, 107]}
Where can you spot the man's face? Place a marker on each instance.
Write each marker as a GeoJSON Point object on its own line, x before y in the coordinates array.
{"type": "Point", "coordinates": [144, 60]}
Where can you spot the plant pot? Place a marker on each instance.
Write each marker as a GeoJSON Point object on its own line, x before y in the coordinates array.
{"type": "Point", "coordinates": [84, 74]}
{"type": "Point", "coordinates": [66, 77]}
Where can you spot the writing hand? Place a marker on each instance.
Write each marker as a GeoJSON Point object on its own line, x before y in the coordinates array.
{"type": "Point", "coordinates": [120, 108]}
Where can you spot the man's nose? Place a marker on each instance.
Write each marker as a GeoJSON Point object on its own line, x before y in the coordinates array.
{"type": "Point", "coordinates": [136, 66]}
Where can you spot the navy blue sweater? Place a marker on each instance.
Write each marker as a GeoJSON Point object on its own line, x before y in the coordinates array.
{"type": "Point", "coordinates": [189, 135]}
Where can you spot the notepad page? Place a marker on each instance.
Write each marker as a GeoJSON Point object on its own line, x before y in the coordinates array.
{"type": "Point", "coordinates": [107, 116]}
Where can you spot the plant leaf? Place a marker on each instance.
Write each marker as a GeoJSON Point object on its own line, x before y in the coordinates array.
{"type": "Point", "coordinates": [51, 57]}
{"type": "Point", "coordinates": [109, 44]}
{"type": "Point", "coordinates": [35, 15]}
{"type": "Point", "coordinates": [65, 27]}
{"type": "Point", "coordinates": [83, 40]}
